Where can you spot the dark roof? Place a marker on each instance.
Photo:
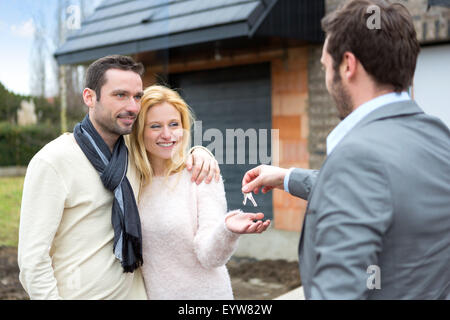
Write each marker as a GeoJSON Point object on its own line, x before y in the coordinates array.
{"type": "Point", "coordinates": [133, 26]}
{"type": "Point", "coordinates": [443, 3]}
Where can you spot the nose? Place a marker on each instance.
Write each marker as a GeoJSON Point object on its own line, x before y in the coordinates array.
{"type": "Point", "coordinates": [133, 106]}
{"type": "Point", "coordinates": [166, 133]}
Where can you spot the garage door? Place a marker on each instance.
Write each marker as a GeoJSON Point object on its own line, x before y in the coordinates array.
{"type": "Point", "coordinates": [232, 107]}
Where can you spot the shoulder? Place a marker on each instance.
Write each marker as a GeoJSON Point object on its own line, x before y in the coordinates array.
{"type": "Point", "coordinates": [356, 162]}
{"type": "Point", "coordinates": [59, 152]}
{"type": "Point", "coordinates": [214, 187]}
{"type": "Point", "coordinates": [57, 147]}
{"type": "Point", "coordinates": [356, 149]}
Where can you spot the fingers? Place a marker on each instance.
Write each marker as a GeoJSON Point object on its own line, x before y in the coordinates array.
{"type": "Point", "coordinates": [189, 162]}
{"type": "Point", "coordinates": [267, 189]}
{"type": "Point", "coordinates": [217, 171]}
{"type": "Point", "coordinates": [203, 165]}
{"type": "Point", "coordinates": [264, 226]}
{"type": "Point", "coordinates": [253, 227]}
{"type": "Point", "coordinates": [214, 171]}
{"type": "Point", "coordinates": [254, 186]}
{"type": "Point", "coordinates": [196, 169]}
{"type": "Point", "coordinates": [258, 227]}
{"type": "Point", "coordinates": [244, 223]}
{"type": "Point", "coordinates": [264, 176]}
{"type": "Point", "coordinates": [256, 216]}
{"type": "Point", "coordinates": [203, 172]}
{"type": "Point", "coordinates": [211, 173]}
{"type": "Point", "coordinates": [251, 175]}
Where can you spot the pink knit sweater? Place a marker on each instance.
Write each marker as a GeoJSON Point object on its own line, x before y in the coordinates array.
{"type": "Point", "coordinates": [185, 241]}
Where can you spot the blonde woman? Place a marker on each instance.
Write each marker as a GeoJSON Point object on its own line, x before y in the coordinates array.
{"type": "Point", "coordinates": [188, 236]}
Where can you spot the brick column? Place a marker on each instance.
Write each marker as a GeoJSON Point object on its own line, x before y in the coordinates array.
{"type": "Point", "coordinates": [290, 117]}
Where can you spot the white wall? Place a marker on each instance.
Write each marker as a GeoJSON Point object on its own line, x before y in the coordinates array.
{"type": "Point", "coordinates": [432, 81]}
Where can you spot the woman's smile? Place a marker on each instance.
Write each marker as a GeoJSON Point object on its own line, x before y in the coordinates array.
{"type": "Point", "coordinates": [166, 145]}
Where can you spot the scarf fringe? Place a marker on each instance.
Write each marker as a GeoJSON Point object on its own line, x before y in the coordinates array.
{"type": "Point", "coordinates": [137, 250]}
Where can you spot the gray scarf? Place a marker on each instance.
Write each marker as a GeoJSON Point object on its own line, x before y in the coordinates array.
{"type": "Point", "coordinates": [112, 168]}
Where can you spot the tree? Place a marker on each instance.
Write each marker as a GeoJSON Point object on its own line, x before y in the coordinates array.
{"type": "Point", "coordinates": [70, 84]}
{"type": "Point", "coordinates": [39, 55]}
{"type": "Point", "coordinates": [68, 15]}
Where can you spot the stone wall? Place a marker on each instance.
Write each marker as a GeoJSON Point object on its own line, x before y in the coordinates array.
{"type": "Point", "coordinates": [432, 25]}
{"type": "Point", "coordinates": [432, 22]}
{"type": "Point", "coordinates": [321, 109]}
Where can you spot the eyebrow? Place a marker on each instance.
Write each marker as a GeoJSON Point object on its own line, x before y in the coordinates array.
{"type": "Point", "coordinates": [151, 122]}
{"type": "Point", "coordinates": [117, 91]}
{"type": "Point", "coordinates": [120, 91]}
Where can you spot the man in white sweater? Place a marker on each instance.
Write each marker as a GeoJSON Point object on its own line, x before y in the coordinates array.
{"type": "Point", "coordinates": [69, 244]}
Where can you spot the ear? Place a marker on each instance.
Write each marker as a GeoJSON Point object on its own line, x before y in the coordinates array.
{"type": "Point", "coordinates": [349, 65]}
{"type": "Point", "coordinates": [89, 97]}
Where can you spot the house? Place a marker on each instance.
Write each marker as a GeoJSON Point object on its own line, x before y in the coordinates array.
{"type": "Point", "coordinates": [432, 78]}
{"type": "Point", "coordinates": [242, 65]}
{"type": "Point", "coordinates": [250, 70]}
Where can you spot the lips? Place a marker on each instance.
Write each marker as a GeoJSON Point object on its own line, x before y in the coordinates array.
{"type": "Point", "coordinates": [127, 119]}
{"type": "Point", "coordinates": [166, 144]}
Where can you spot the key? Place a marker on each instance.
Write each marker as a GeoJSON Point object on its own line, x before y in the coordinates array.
{"type": "Point", "coordinates": [250, 197]}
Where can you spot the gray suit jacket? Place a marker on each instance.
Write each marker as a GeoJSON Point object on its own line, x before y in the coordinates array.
{"type": "Point", "coordinates": [378, 217]}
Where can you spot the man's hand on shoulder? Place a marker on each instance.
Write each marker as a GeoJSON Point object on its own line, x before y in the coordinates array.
{"type": "Point", "coordinates": [202, 164]}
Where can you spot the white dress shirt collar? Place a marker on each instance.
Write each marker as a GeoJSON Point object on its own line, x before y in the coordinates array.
{"type": "Point", "coordinates": [358, 114]}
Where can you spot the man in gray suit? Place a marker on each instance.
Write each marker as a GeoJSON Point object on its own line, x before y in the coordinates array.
{"type": "Point", "coordinates": [377, 224]}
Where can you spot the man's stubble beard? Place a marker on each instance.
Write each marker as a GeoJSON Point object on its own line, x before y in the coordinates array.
{"type": "Point", "coordinates": [110, 125]}
{"type": "Point", "coordinates": [341, 97]}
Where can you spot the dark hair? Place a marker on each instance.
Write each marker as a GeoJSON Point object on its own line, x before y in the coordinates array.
{"type": "Point", "coordinates": [388, 54]}
{"type": "Point", "coordinates": [95, 74]}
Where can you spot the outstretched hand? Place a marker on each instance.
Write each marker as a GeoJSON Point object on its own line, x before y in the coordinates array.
{"type": "Point", "coordinates": [244, 222]}
{"type": "Point", "coordinates": [265, 177]}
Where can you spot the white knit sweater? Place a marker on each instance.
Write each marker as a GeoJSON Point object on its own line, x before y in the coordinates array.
{"type": "Point", "coordinates": [65, 237]}
{"type": "Point", "coordinates": [185, 241]}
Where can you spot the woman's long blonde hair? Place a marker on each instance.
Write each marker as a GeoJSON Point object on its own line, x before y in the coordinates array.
{"type": "Point", "coordinates": [155, 95]}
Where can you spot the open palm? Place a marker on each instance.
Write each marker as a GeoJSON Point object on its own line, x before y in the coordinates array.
{"type": "Point", "coordinates": [244, 222]}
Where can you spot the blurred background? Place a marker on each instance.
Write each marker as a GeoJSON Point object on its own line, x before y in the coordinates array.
{"type": "Point", "coordinates": [247, 64]}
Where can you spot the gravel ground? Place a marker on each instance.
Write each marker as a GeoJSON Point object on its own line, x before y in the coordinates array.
{"type": "Point", "coordinates": [251, 279]}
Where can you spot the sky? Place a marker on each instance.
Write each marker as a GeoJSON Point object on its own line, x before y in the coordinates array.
{"type": "Point", "coordinates": [16, 34]}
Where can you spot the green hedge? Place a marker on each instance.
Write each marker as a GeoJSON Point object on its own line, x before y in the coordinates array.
{"type": "Point", "coordinates": [18, 144]}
